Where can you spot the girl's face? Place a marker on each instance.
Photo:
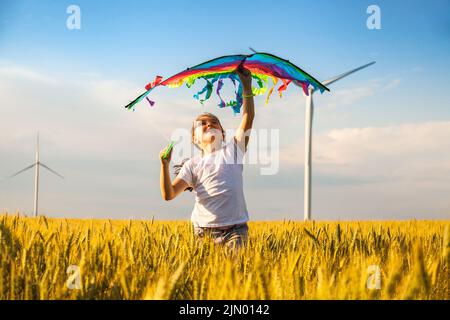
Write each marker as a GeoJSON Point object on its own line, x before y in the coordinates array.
{"type": "Point", "coordinates": [208, 130]}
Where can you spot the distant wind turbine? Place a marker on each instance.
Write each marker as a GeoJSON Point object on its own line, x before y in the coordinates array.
{"type": "Point", "coordinates": [36, 177]}
{"type": "Point", "coordinates": [308, 135]}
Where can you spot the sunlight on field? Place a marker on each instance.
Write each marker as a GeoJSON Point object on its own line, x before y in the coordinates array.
{"type": "Point", "coordinates": [43, 258]}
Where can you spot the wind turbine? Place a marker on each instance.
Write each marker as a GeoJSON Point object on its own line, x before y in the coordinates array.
{"type": "Point", "coordinates": [308, 135]}
{"type": "Point", "coordinates": [36, 176]}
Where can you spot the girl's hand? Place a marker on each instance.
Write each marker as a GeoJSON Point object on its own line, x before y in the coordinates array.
{"type": "Point", "coordinates": [165, 161]}
{"type": "Point", "coordinates": [246, 78]}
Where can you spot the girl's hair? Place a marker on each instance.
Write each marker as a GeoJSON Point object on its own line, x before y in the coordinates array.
{"type": "Point", "coordinates": [209, 115]}
{"type": "Point", "coordinates": [178, 167]}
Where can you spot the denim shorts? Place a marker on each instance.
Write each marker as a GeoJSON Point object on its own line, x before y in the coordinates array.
{"type": "Point", "coordinates": [233, 236]}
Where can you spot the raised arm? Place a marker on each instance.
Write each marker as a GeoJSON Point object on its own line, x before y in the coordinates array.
{"type": "Point", "coordinates": [169, 190]}
{"type": "Point", "coordinates": [248, 109]}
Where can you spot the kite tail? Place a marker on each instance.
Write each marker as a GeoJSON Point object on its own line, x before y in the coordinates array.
{"type": "Point", "coordinates": [275, 81]}
{"type": "Point", "coordinates": [153, 84]}
{"type": "Point", "coordinates": [137, 100]}
{"type": "Point", "coordinates": [236, 105]}
{"type": "Point", "coordinates": [284, 86]}
{"type": "Point", "coordinates": [149, 87]}
{"type": "Point", "coordinates": [305, 87]}
{"type": "Point", "coordinates": [207, 88]}
{"type": "Point", "coordinates": [222, 103]}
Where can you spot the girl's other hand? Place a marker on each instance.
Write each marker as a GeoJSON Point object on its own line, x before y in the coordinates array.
{"type": "Point", "coordinates": [165, 161]}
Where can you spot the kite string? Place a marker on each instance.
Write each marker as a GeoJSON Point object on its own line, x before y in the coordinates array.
{"type": "Point", "coordinates": [158, 130]}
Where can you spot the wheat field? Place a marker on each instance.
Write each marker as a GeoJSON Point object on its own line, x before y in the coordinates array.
{"type": "Point", "coordinates": [48, 258]}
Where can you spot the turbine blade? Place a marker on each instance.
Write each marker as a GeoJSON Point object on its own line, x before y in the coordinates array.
{"type": "Point", "coordinates": [19, 172]}
{"type": "Point", "coordinates": [52, 171]}
{"type": "Point", "coordinates": [343, 75]}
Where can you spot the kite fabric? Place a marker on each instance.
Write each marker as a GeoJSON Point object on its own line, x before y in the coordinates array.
{"type": "Point", "coordinates": [261, 65]}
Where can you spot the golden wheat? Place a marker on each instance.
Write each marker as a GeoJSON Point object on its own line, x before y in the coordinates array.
{"type": "Point", "coordinates": [162, 260]}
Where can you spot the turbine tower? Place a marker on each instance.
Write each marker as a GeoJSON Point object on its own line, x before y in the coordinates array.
{"type": "Point", "coordinates": [308, 137]}
{"type": "Point", "coordinates": [36, 176]}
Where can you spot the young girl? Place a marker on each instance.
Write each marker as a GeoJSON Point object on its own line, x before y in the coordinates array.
{"type": "Point", "coordinates": [220, 210]}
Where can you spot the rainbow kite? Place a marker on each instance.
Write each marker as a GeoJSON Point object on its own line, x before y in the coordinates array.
{"type": "Point", "coordinates": [261, 65]}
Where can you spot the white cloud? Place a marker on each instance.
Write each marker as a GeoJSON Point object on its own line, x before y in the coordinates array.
{"type": "Point", "coordinates": [392, 84]}
{"type": "Point", "coordinates": [417, 151]}
{"type": "Point", "coordinates": [19, 72]}
{"type": "Point", "coordinates": [109, 155]}
{"type": "Point", "coordinates": [348, 96]}
{"type": "Point", "coordinates": [345, 97]}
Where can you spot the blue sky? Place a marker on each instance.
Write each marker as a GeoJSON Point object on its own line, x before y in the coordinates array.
{"type": "Point", "coordinates": [134, 40]}
{"type": "Point", "coordinates": [122, 45]}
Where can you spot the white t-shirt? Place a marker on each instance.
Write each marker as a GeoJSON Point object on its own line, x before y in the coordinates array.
{"type": "Point", "coordinates": [217, 180]}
